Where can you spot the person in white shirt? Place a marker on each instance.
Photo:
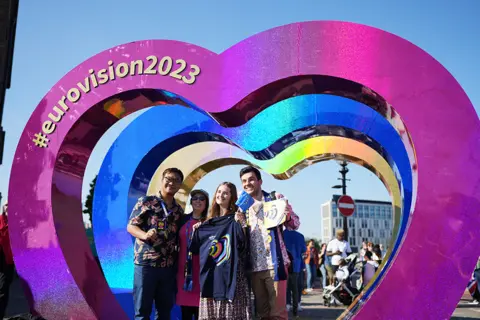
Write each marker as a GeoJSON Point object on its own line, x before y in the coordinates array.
{"type": "Point", "coordinates": [369, 268]}
{"type": "Point", "coordinates": [337, 249]}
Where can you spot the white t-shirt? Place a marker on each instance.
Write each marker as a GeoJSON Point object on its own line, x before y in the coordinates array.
{"type": "Point", "coordinates": [342, 273]}
{"type": "Point", "coordinates": [369, 271]}
{"type": "Point", "coordinates": [337, 245]}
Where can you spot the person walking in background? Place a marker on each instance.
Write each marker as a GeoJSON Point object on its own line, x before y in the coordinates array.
{"type": "Point", "coordinates": [369, 268]}
{"type": "Point", "coordinates": [363, 250]}
{"type": "Point", "coordinates": [321, 262]}
{"type": "Point", "coordinates": [329, 269]}
{"type": "Point", "coordinates": [301, 283]}
{"type": "Point", "coordinates": [6, 261]}
{"type": "Point", "coordinates": [188, 271]}
{"type": "Point", "coordinates": [338, 249]}
{"type": "Point", "coordinates": [295, 243]}
{"type": "Point", "coordinates": [384, 252]}
{"type": "Point", "coordinates": [377, 254]}
{"type": "Point", "coordinates": [311, 261]}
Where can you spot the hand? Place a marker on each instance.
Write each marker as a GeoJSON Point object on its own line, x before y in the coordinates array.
{"type": "Point", "coordinates": [196, 225]}
{"type": "Point", "coordinates": [288, 212]}
{"type": "Point", "coordinates": [338, 252]}
{"type": "Point", "coordinates": [240, 217]}
{"type": "Point", "coordinates": [151, 235]}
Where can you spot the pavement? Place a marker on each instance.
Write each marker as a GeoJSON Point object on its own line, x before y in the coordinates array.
{"type": "Point", "coordinates": [312, 304]}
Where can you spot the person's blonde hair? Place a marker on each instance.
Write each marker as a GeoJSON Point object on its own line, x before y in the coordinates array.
{"type": "Point", "coordinates": [215, 207]}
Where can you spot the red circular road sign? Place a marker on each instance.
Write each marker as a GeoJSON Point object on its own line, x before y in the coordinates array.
{"type": "Point", "coordinates": [346, 205]}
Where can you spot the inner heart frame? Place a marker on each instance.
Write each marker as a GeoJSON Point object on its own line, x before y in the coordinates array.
{"type": "Point", "coordinates": [430, 111]}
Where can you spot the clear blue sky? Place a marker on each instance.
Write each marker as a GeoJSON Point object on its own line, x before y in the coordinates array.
{"type": "Point", "coordinates": [55, 36]}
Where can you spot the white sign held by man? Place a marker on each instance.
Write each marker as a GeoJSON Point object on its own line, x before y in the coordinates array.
{"type": "Point", "coordinates": [274, 213]}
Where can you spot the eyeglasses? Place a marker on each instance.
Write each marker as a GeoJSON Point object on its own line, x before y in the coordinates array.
{"type": "Point", "coordinates": [172, 180]}
{"type": "Point", "coordinates": [201, 198]}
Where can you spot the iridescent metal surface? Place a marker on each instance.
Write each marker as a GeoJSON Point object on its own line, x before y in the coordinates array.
{"type": "Point", "coordinates": [431, 104]}
{"type": "Point", "coordinates": [125, 160]}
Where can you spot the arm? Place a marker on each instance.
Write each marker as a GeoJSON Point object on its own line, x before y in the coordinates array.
{"type": "Point", "coordinates": [137, 219]}
{"type": "Point", "coordinates": [332, 250]}
{"type": "Point", "coordinates": [137, 232]}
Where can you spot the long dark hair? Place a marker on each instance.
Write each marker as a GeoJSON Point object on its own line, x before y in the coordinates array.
{"type": "Point", "coordinates": [215, 207]}
{"type": "Point", "coordinates": [204, 213]}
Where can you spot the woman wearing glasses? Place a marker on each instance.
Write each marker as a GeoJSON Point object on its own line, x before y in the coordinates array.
{"type": "Point", "coordinates": [188, 274]}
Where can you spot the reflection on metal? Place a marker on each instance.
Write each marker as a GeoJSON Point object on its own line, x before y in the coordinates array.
{"type": "Point", "coordinates": [198, 146]}
{"type": "Point", "coordinates": [48, 230]}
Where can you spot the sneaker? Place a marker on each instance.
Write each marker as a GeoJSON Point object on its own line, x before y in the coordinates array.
{"type": "Point", "coordinates": [475, 302]}
{"type": "Point", "coordinates": [300, 308]}
{"type": "Point", "coordinates": [289, 307]}
{"type": "Point", "coordinates": [309, 290]}
{"type": "Point", "coordinates": [304, 292]}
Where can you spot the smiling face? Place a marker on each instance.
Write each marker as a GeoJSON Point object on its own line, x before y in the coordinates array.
{"type": "Point", "coordinates": [251, 184]}
{"type": "Point", "coordinates": [223, 196]}
{"type": "Point", "coordinates": [171, 183]}
{"type": "Point", "coordinates": [199, 202]}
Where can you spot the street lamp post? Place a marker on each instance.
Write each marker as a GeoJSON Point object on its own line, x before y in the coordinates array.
{"type": "Point", "coordinates": [343, 186]}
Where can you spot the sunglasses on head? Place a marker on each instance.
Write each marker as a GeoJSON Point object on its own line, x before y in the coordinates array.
{"type": "Point", "coordinates": [201, 198]}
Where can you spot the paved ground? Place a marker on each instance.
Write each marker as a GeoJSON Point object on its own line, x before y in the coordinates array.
{"type": "Point", "coordinates": [314, 309]}
{"type": "Point", "coordinates": [312, 304]}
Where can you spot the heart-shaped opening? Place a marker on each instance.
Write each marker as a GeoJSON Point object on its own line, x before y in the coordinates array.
{"type": "Point", "coordinates": [332, 131]}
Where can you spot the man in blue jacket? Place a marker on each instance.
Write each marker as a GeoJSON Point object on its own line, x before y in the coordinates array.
{"type": "Point", "coordinates": [295, 243]}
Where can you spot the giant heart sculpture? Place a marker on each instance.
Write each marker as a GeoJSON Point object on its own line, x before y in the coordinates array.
{"type": "Point", "coordinates": [437, 137]}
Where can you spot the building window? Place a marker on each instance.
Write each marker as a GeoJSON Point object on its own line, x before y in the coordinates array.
{"type": "Point", "coordinates": [334, 211]}
{"type": "Point", "coordinates": [386, 224]}
{"type": "Point", "coordinates": [359, 232]}
{"type": "Point", "coordinates": [364, 224]}
{"type": "Point", "coordinates": [375, 223]}
{"type": "Point", "coordinates": [352, 241]}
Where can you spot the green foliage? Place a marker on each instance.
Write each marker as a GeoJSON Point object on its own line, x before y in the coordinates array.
{"type": "Point", "coordinates": [316, 241]}
{"type": "Point", "coordinates": [89, 201]}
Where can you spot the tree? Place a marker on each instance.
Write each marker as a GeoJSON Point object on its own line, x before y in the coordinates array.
{"type": "Point", "coordinates": [316, 241]}
{"type": "Point", "coordinates": [89, 201]}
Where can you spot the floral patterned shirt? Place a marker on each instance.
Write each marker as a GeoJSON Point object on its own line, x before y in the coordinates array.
{"type": "Point", "coordinates": [149, 214]}
{"type": "Point", "coordinates": [260, 239]}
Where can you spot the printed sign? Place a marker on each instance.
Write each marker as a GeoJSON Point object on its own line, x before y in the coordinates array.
{"type": "Point", "coordinates": [274, 213]}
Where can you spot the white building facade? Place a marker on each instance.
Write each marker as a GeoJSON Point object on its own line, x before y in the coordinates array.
{"type": "Point", "coordinates": [371, 221]}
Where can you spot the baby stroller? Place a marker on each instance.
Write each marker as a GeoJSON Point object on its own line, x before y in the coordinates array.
{"type": "Point", "coordinates": [344, 290]}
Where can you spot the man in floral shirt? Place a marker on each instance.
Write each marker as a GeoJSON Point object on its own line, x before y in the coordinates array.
{"type": "Point", "coordinates": [268, 254]}
{"type": "Point", "coordinates": [155, 222]}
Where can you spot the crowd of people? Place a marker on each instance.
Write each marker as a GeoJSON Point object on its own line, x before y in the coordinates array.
{"type": "Point", "coordinates": [325, 260]}
{"type": "Point", "coordinates": [210, 261]}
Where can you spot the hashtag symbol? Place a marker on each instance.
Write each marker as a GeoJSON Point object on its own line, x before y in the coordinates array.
{"type": "Point", "coordinates": [40, 140]}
